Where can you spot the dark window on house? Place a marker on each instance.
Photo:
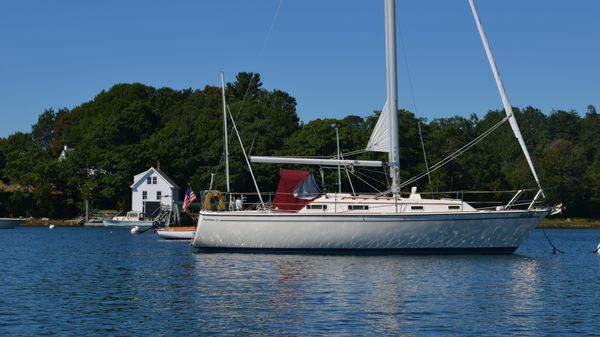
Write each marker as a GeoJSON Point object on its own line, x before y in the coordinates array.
{"type": "Point", "coordinates": [453, 207]}
{"type": "Point", "coordinates": [158, 195]}
{"type": "Point", "coordinates": [416, 208]}
{"type": "Point", "coordinates": [144, 195]}
{"type": "Point", "coordinates": [316, 206]}
{"type": "Point", "coordinates": [357, 207]}
{"type": "Point", "coordinates": [149, 180]}
{"type": "Point", "coordinates": [154, 180]}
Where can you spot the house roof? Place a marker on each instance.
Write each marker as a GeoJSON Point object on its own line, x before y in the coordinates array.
{"type": "Point", "coordinates": [142, 177]}
{"type": "Point", "coordinates": [65, 151]}
{"type": "Point", "coordinates": [166, 177]}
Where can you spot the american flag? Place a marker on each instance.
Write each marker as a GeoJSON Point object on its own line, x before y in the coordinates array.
{"type": "Point", "coordinates": [189, 198]}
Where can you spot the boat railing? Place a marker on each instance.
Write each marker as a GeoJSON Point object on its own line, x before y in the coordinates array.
{"type": "Point", "coordinates": [481, 200]}
{"type": "Point", "coordinates": [523, 198]}
{"type": "Point", "coordinates": [214, 200]}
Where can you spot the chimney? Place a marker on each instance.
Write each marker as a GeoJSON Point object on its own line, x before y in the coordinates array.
{"type": "Point", "coordinates": [158, 164]}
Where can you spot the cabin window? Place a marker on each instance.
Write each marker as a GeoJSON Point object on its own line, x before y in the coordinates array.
{"type": "Point", "coordinates": [154, 180]}
{"type": "Point", "coordinates": [323, 207]}
{"type": "Point", "coordinates": [144, 195]}
{"type": "Point", "coordinates": [158, 195]}
{"type": "Point", "coordinates": [454, 207]}
{"type": "Point", "coordinates": [358, 207]}
{"type": "Point", "coordinates": [416, 208]}
{"type": "Point", "coordinates": [149, 180]}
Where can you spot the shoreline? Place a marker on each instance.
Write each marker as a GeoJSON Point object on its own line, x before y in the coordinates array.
{"type": "Point", "coordinates": [45, 222]}
{"type": "Point", "coordinates": [574, 223]}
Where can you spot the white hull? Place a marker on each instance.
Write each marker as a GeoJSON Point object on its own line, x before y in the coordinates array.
{"type": "Point", "coordinates": [10, 223]}
{"type": "Point", "coordinates": [478, 231]}
{"type": "Point", "coordinates": [176, 234]}
{"type": "Point", "coordinates": [126, 223]}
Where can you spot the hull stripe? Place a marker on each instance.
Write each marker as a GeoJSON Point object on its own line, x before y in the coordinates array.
{"type": "Point", "coordinates": [367, 219]}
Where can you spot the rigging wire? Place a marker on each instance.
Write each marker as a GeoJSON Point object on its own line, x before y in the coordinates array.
{"type": "Point", "coordinates": [341, 156]}
{"type": "Point", "coordinates": [387, 179]}
{"type": "Point", "coordinates": [369, 177]}
{"type": "Point", "coordinates": [408, 76]}
{"type": "Point", "coordinates": [456, 153]}
{"type": "Point", "coordinates": [261, 55]}
{"type": "Point", "coordinates": [414, 100]}
{"type": "Point", "coordinates": [351, 153]}
{"type": "Point", "coordinates": [368, 170]}
{"type": "Point", "coordinates": [424, 153]}
{"type": "Point", "coordinates": [246, 157]}
{"type": "Point", "coordinates": [364, 181]}
{"type": "Point", "coordinates": [348, 175]}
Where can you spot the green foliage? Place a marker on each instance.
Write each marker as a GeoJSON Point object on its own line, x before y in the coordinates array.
{"type": "Point", "coordinates": [43, 131]}
{"type": "Point", "coordinates": [127, 129]}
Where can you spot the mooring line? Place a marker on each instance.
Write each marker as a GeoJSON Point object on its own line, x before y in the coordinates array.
{"type": "Point", "coordinates": [554, 249]}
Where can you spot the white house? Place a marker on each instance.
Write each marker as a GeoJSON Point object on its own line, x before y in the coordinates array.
{"type": "Point", "coordinates": [65, 152]}
{"type": "Point", "coordinates": [151, 190]}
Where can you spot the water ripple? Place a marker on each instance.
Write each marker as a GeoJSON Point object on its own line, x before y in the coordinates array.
{"type": "Point", "coordinates": [96, 281]}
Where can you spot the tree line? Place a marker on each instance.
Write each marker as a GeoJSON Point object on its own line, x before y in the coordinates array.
{"type": "Point", "coordinates": [127, 129]}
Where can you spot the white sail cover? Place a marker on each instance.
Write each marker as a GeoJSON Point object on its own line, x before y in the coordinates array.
{"type": "Point", "coordinates": [380, 138]}
{"type": "Point", "coordinates": [315, 161]}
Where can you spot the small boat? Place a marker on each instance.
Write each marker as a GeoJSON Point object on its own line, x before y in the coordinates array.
{"type": "Point", "coordinates": [132, 218]}
{"type": "Point", "coordinates": [176, 233]}
{"type": "Point", "coordinates": [10, 223]}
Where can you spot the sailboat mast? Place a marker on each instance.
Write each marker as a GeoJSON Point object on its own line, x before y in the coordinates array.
{"type": "Point", "coordinates": [225, 136]}
{"type": "Point", "coordinates": [392, 93]}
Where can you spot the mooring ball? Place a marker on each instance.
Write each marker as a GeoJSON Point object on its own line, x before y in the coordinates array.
{"type": "Point", "coordinates": [598, 249]}
{"type": "Point", "coordinates": [135, 229]}
{"type": "Point", "coordinates": [51, 227]}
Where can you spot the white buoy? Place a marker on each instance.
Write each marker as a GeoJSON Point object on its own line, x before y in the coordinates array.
{"type": "Point", "coordinates": [597, 249]}
{"type": "Point", "coordinates": [51, 227]}
{"type": "Point", "coordinates": [135, 230]}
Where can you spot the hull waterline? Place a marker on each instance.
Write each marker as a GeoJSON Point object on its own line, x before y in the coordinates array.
{"type": "Point", "coordinates": [499, 232]}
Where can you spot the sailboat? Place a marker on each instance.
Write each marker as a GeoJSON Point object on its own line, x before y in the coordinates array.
{"type": "Point", "coordinates": [301, 218]}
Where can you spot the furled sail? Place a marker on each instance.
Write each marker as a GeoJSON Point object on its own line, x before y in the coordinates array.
{"type": "Point", "coordinates": [380, 138]}
{"type": "Point", "coordinates": [505, 102]}
{"type": "Point", "coordinates": [315, 161]}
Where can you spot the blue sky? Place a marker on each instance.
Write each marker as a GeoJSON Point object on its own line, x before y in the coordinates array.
{"type": "Point", "coordinates": [327, 54]}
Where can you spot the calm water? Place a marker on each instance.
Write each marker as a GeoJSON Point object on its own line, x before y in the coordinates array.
{"type": "Point", "coordinates": [96, 281]}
